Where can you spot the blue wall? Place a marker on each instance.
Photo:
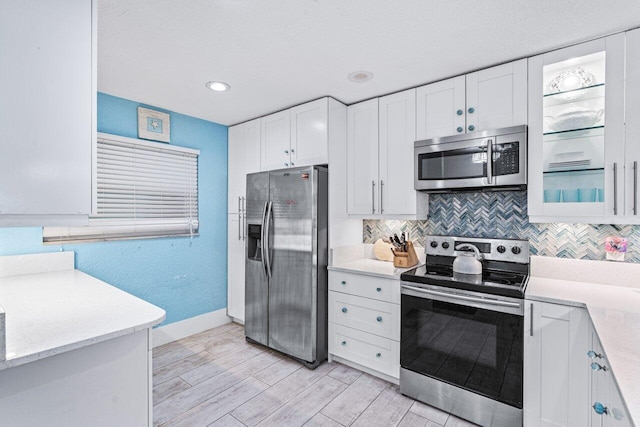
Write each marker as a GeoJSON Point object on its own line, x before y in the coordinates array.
{"type": "Point", "coordinates": [186, 277]}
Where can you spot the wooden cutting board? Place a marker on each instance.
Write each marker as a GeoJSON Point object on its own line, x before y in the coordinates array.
{"type": "Point", "coordinates": [382, 250]}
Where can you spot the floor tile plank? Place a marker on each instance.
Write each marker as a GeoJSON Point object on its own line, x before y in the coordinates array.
{"type": "Point", "coordinates": [411, 419]}
{"type": "Point", "coordinates": [187, 399]}
{"type": "Point", "coordinates": [278, 371]}
{"type": "Point", "coordinates": [266, 403]}
{"type": "Point", "coordinates": [320, 420]}
{"type": "Point", "coordinates": [181, 366]}
{"type": "Point", "coordinates": [226, 421]}
{"type": "Point", "coordinates": [168, 389]}
{"type": "Point", "coordinates": [303, 407]}
{"type": "Point", "coordinates": [386, 410]}
{"type": "Point", "coordinates": [345, 373]}
{"type": "Point", "coordinates": [355, 399]}
{"type": "Point", "coordinates": [220, 365]}
{"type": "Point", "coordinates": [219, 405]}
{"type": "Point", "coordinates": [429, 412]}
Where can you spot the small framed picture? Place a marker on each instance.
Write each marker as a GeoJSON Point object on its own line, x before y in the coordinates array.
{"type": "Point", "coordinates": [153, 125]}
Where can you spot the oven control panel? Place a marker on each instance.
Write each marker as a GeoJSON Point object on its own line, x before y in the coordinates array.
{"type": "Point", "coordinates": [510, 250]}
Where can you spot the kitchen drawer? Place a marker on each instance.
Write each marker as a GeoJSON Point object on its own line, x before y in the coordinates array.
{"type": "Point", "coordinates": [376, 317]}
{"type": "Point", "coordinates": [371, 351]}
{"type": "Point", "coordinates": [365, 286]}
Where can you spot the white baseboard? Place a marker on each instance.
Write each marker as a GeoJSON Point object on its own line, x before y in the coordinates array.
{"type": "Point", "coordinates": [193, 325]}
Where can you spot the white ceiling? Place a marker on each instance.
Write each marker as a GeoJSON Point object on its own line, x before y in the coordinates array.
{"type": "Point", "coordinates": [279, 53]}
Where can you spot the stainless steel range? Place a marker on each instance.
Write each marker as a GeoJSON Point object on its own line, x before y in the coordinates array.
{"type": "Point", "coordinates": [461, 347]}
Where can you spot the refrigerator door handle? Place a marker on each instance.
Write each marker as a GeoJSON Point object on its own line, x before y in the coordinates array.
{"type": "Point", "coordinates": [262, 237]}
{"type": "Point", "coordinates": [266, 256]}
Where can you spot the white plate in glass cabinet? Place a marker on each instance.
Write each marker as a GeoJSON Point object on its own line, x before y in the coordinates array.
{"type": "Point", "coordinates": [576, 133]}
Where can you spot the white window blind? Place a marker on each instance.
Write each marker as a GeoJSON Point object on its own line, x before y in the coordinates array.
{"type": "Point", "coordinates": [140, 189]}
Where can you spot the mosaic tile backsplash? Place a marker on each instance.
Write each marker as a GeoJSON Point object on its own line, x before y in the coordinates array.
{"type": "Point", "coordinates": [504, 215]}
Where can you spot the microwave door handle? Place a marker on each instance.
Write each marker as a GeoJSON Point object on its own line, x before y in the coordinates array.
{"type": "Point", "coordinates": [489, 161]}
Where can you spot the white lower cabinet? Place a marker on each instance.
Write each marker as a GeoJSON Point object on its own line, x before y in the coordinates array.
{"type": "Point", "coordinates": [606, 405]}
{"type": "Point", "coordinates": [364, 321]}
{"type": "Point", "coordinates": [369, 350]}
{"type": "Point", "coordinates": [556, 379]}
{"type": "Point", "coordinates": [236, 229]}
{"type": "Point", "coordinates": [567, 378]}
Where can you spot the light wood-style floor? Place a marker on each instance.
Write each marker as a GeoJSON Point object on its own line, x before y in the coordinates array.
{"type": "Point", "coordinates": [216, 378]}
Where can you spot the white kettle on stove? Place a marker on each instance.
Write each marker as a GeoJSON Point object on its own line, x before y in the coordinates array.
{"type": "Point", "coordinates": [468, 262]}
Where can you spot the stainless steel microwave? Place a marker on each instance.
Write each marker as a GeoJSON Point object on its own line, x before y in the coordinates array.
{"type": "Point", "coordinates": [486, 160]}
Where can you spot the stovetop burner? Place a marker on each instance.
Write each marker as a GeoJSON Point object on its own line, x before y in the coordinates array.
{"type": "Point", "coordinates": [505, 266]}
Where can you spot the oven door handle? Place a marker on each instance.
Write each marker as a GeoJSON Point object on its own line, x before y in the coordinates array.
{"type": "Point", "coordinates": [463, 297]}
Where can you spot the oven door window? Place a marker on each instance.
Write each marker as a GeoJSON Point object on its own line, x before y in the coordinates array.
{"type": "Point", "coordinates": [475, 349]}
{"type": "Point", "coordinates": [453, 164]}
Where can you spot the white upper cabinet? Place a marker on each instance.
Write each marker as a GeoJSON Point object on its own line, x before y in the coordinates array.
{"type": "Point", "coordinates": [244, 158]}
{"type": "Point", "coordinates": [441, 108]}
{"type": "Point", "coordinates": [578, 165]}
{"type": "Point", "coordinates": [632, 125]}
{"type": "Point", "coordinates": [380, 138]}
{"type": "Point", "coordinates": [492, 98]}
{"type": "Point", "coordinates": [296, 137]}
{"type": "Point", "coordinates": [397, 134]}
{"type": "Point", "coordinates": [275, 141]}
{"type": "Point", "coordinates": [497, 96]}
{"type": "Point", "coordinates": [362, 157]}
{"type": "Point", "coordinates": [47, 112]}
{"type": "Point", "coordinates": [309, 123]}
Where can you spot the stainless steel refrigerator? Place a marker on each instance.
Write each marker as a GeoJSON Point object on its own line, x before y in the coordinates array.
{"type": "Point", "coordinates": [286, 262]}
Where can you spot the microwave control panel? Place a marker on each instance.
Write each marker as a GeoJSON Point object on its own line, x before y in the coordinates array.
{"type": "Point", "coordinates": [506, 159]}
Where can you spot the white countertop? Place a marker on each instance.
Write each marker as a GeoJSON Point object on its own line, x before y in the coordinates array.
{"type": "Point", "coordinates": [57, 311]}
{"type": "Point", "coordinates": [614, 311]}
{"type": "Point", "coordinates": [371, 267]}
{"type": "Point", "coordinates": [360, 259]}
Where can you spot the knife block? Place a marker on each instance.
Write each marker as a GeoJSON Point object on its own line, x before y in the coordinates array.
{"type": "Point", "coordinates": [406, 259]}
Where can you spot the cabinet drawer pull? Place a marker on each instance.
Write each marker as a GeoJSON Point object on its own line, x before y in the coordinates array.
{"type": "Point", "coordinates": [592, 355]}
{"type": "Point", "coordinates": [373, 197]}
{"type": "Point", "coordinates": [459, 129]}
{"type": "Point", "coordinates": [344, 309]}
{"type": "Point", "coordinates": [471, 110]}
{"type": "Point", "coordinates": [286, 151]}
{"type": "Point", "coordinates": [615, 189]}
{"type": "Point", "coordinates": [344, 282]}
{"type": "Point", "coordinates": [598, 367]}
{"type": "Point", "coordinates": [286, 164]}
{"type": "Point", "coordinates": [471, 128]}
{"type": "Point", "coordinates": [378, 355]}
{"type": "Point", "coordinates": [459, 112]}
{"type": "Point", "coordinates": [379, 318]}
{"type": "Point", "coordinates": [343, 343]}
{"type": "Point", "coordinates": [378, 289]}
{"type": "Point", "coordinates": [600, 409]}
{"type": "Point", "coordinates": [635, 187]}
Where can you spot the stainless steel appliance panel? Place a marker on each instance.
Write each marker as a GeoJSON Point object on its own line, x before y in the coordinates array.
{"type": "Point", "coordinates": [455, 400]}
{"type": "Point", "coordinates": [292, 227]}
{"type": "Point", "coordinates": [491, 159]}
{"type": "Point", "coordinates": [256, 280]}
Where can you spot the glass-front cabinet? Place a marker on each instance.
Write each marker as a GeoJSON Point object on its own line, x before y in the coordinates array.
{"type": "Point", "coordinates": [576, 133]}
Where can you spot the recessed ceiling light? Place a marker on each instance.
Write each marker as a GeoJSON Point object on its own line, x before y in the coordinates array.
{"type": "Point", "coordinates": [360, 76]}
{"type": "Point", "coordinates": [218, 86]}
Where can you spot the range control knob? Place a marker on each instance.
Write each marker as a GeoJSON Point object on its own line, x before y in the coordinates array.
{"type": "Point", "coordinates": [434, 244]}
{"type": "Point", "coordinates": [445, 245]}
{"type": "Point", "coordinates": [516, 250]}
{"type": "Point", "coordinates": [501, 249]}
